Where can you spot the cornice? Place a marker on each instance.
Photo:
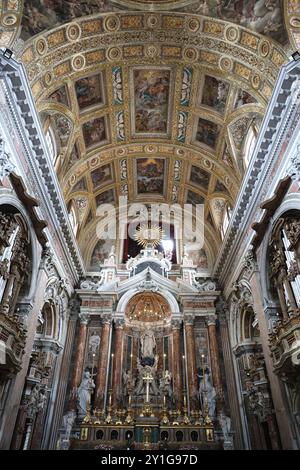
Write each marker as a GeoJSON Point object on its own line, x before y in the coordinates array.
{"type": "Point", "coordinates": [274, 129]}
{"type": "Point", "coordinates": [28, 126]}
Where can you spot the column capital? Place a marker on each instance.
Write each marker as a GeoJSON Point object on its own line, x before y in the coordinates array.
{"type": "Point", "coordinates": [106, 320]}
{"type": "Point", "coordinates": [211, 320]}
{"type": "Point", "coordinates": [119, 322]}
{"type": "Point", "coordinates": [189, 320]}
{"type": "Point", "coordinates": [84, 318]}
{"type": "Point", "coordinates": [176, 324]}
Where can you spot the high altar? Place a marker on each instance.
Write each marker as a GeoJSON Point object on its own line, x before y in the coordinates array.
{"type": "Point", "coordinates": [146, 366]}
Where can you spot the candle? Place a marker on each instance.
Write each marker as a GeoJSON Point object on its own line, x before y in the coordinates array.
{"type": "Point", "coordinates": [183, 367]}
{"type": "Point", "coordinates": [164, 362]}
{"type": "Point", "coordinates": [112, 370]}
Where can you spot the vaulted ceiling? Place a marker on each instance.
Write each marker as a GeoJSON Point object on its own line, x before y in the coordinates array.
{"type": "Point", "coordinates": [152, 100]}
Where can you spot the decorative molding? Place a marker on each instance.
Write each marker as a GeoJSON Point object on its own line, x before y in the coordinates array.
{"type": "Point", "coordinates": [6, 166]}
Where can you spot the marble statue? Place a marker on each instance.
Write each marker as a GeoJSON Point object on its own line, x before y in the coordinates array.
{"type": "Point", "coordinates": [68, 421]}
{"type": "Point", "coordinates": [225, 423]}
{"type": "Point", "coordinates": [84, 393]}
{"type": "Point", "coordinates": [94, 342]}
{"type": "Point", "coordinates": [142, 372]}
{"type": "Point", "coordinates": [111, 260]}
{"type": "Point", "coordinates": [207, 392]}
{"type": "Point", "coordinates": [148, 343]}
{"type": "Point", "coordinates": [128, 382]}
{"type": "Point", "coordinates": [165, 384]}
{"type": "Point", "coordinates": [36, 400]}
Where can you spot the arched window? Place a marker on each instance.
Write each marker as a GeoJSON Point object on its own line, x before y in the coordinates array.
{"type": "Point", "coordinates": [226, 219]}
{"type": "Point", "coordinates": [73, 217]}
{"type": "Point", "coordinates": [51, 145]}
{"type": "Point", "coordinates": [249, 144]}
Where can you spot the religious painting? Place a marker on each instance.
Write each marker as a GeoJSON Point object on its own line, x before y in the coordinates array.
{"type": "Point", "coordinates": [260, 16]}
{"type": "Point", "coordinates": [199, 258]}
{"type": "Point", "coordinates": [60, 96]}
{"type": "Point", "coordinates": [209, 219]}
{"type": "Point", "coordinates": [107, 197]}
{"type": "Point", "coordinates": [150, 175]}
{"type": "Point", "coordinates": [242, 98]}
{"type": "Point", "coordinates": [202, 349]}
{"type": "Point", "coordinates": [194, 198]}
{"type": "Point", "coordinates": [101, 252]}
{"type": "Point", "coordinates": [80, 186]}
{"type": "Point", "coordinates": [215, 93]}
{"type": "Point", "coordinates": [101, 175]}
{"type": "Point", "coordinates": [74, 156]}
{"type": "Point", "coordinates": [89, 218]}
{"type": "Point", "coordinates": [63, 127]}
{"type": "Point", "coordinates": [150, 89]}
{"type": "Point", "coordinates": [89, 91]}
{"type": "Point", "coordinates": [94, 132]}
{"type": "Point", "coordinates": [41, 15]}
{"type": "Point", "coordinates": [207, 132]}
{"type": "Point", "coordinates": [199, 177]}
{"type": "Point", "coordinates": [220, 188]}
{"type": "Point", "coordinates": [226, 157]}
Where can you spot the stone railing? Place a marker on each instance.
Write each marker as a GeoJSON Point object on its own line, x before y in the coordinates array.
{"type": "Point", "coordinates": [12, 336]}
{"type": "Point", "coordinates": [285, 343]}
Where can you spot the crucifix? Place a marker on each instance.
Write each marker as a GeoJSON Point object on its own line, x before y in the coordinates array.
{"type": "Point", "coordinates": [148, 379]}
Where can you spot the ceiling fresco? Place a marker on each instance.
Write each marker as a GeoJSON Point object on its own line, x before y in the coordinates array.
{"type": "Point", "coordinates": [262, 16]}
{"type": "Point", "coordinates": [150, 100]}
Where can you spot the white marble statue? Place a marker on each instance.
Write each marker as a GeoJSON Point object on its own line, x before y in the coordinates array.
{"type": "Point", "coordinates": [68, 421]}
{"type": "Point", "coordinates": [207, 392]}
{"type": "Point", "coordinates": [111, 260]}
{"type": "Point", "coordinates": [225, 423]}
{"type": "Point", "coordinates": [84, 393]}
{"type": "Point", "coordinates": [148, 343]}
{"type": "Point", "coordinates": [94, 342]}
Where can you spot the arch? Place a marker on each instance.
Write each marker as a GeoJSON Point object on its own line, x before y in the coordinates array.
{"type": "Point", "coordinates": [291, 203]}
{"type": "Point", "coordinates": [9, 199]}
{"type": "Point", "coordinates": [127, 296]}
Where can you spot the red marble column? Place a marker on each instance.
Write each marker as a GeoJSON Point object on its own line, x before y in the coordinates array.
{"type": "Point", "coordinates": [191, 363]}
{"type": "Point", "coordinates": [117, 362]}
{"type": "Point", "coordinates": [214, 354]}
{"type": "Point", "coordinates": [103, 365]}
{"type": "Point", "coordinates": [177, 364]}
{"type": "Point", "coordinates": [79, 358]}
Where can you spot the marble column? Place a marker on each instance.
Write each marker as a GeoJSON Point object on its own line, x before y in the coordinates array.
{"type": "Point", "coordinates": [102, 364]}
{"type": "Point", "coordinates": [191, 362]}
{"type": "Point", "coordinates": [233, 399]}
{"type": "Point", "coordinates": [177, 363]}
{"type": "Point", "coordinates": [117, 362]}
{"type": "Point", "coordinates": [282, 415]}
{"type": "Point", "coordinates": [214, 354]}
{"type": "Point", "coordinates": [79, 358]}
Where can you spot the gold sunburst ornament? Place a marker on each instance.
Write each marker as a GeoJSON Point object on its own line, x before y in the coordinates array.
{"type": "Point", "coordinates": [148, 235]}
